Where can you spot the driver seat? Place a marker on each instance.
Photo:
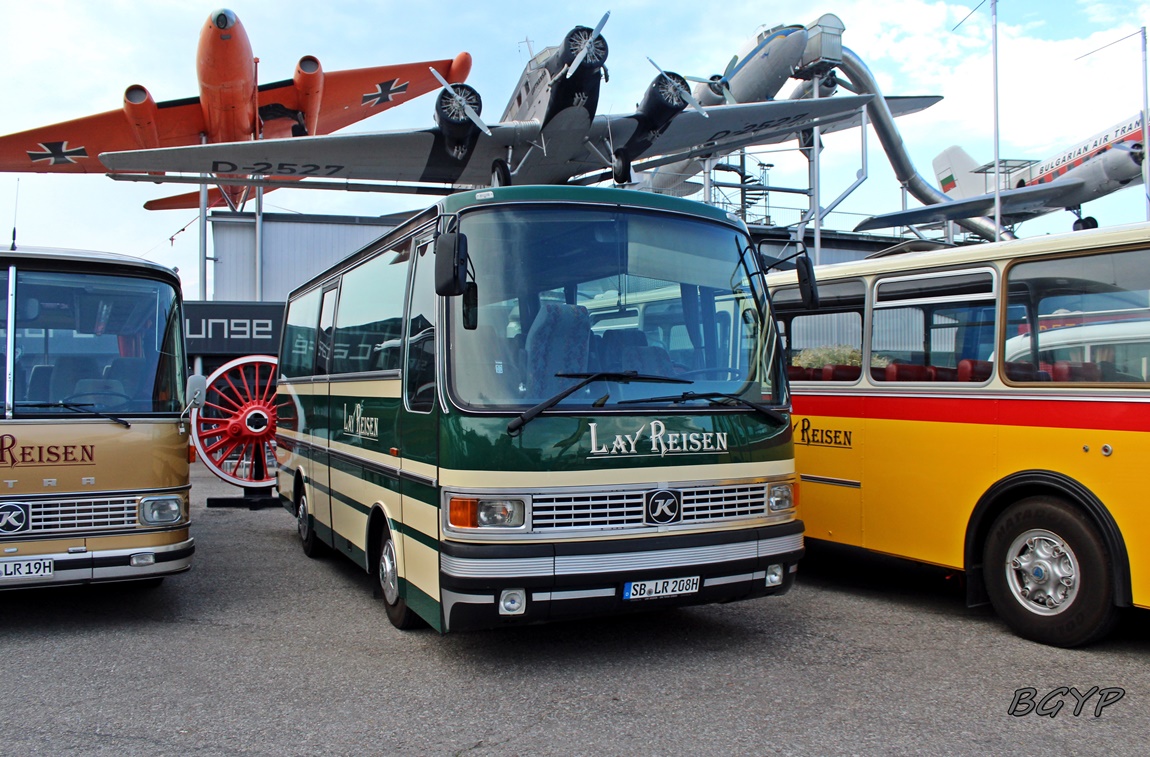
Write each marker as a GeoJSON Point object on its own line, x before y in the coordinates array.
{"type": "Point", "coordinates": [67, 372]}
{"type": "Point", "coordinates": [559, 341]}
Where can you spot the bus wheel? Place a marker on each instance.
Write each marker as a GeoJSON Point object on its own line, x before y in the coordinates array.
{"type": "Point", "coordinates": [312, 546]}
{"type": "Point", "coordinates": [386, 576]}
{"type": "Point", "coordinates": [1048, 573]}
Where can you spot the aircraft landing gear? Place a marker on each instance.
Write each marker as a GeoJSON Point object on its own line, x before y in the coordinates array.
{"type": "Point", "coordinates": [1089, 222]}
{"type": "Point", "coordinates": [500, 173]}
{"type": "Point", "coordinates": [621, 167]}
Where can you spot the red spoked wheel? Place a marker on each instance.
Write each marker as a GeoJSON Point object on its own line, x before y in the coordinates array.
{"type": "Point", "coordinates": [234, 431]}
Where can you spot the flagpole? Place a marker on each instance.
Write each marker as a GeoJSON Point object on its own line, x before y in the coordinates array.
{"type": "Point", "coordinates": [997, 163]}
{"type": "Point", "coordinates": [1145, 132]}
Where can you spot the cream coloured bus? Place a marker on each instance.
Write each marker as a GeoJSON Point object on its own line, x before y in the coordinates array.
{"type": "Point", "coordinates": [93, 444]}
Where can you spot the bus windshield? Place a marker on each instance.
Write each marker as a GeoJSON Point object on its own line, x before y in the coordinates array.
{"type": "Point", "coordinates": [565, 292]}
{"type": "Point", "coordinates": [92, 343]}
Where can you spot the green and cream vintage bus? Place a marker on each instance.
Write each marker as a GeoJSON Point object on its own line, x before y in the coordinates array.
{"type": "Point", "coordinates": [93, 444]}
{"type": "Point", "coordinates": [532, 403]}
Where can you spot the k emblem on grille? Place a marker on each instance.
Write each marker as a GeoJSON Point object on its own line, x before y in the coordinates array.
{"type": "Point", "coordinates": [664, 506]}
{"type": "Point", "coordinates": [14, 518]}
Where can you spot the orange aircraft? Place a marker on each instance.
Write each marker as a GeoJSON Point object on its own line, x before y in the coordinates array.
{"type": "Point", "coordinates": [232, 107]}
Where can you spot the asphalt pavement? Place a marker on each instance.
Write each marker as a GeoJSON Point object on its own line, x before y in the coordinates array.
{"type": "Point", "coordinates": [259, 650]}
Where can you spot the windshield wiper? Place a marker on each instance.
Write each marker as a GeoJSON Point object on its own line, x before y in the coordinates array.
{"type": "Point", "coordinates": [774, 415]}
{"type": "Point", "coordinates": [623, 377]}
{"type": "Point", "coordinates": [85, 408]}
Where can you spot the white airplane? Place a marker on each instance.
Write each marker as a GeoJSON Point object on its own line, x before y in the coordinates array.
{"type": "Point", "coordinates": [550, 133]}
{"type": "Point", "coordinates": [1108, 161]}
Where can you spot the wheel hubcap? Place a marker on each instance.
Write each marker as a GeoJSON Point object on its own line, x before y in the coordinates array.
{"type": "Point", "coordinates": [302, 519]}
{"type": "Point", "coordinates": [388, 574]}
{"type": "Point", "coordinates": [1042, 572]}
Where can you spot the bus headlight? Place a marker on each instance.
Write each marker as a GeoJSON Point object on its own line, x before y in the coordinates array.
{"type": "Point", "coordinates": [472, 512]}
{"type": "Point", "coordinates": [158, 511]}
{"type": "Point", "coordinates": [780, 497]}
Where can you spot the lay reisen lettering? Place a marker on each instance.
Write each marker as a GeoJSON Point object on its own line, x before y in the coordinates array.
{"type": "Point", "coordinates": [13, 454]}
{"type": "Point", "coordinates": [823, 437]}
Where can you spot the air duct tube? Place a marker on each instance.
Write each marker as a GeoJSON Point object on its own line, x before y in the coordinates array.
{"type": "Point", "coordinates": [879, 113]}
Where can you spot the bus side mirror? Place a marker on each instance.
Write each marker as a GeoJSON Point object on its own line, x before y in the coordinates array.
{"type": "Point", "coordinates": [808, 287]}
{"type": "Point", "coordinates": [450, 263]}
{"type": "Point", "coordinates": [197, 390]}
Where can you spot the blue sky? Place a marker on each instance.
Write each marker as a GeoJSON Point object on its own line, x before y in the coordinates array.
{"type": "Point", "coordinates": [66, 58]}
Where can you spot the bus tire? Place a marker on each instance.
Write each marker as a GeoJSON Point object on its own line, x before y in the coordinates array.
{"type": "Point", "coordinates": [385, 575]}
{"type": "Point", "coordinates": [1048, 573]}
{"type": "Point", "coordinates": [312, 546]}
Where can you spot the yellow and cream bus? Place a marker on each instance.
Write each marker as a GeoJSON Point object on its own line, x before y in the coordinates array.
{"type": "Point", "coordinates": [531, 403]}
{"type": "Point", "coordinates": [986, 409]}
{"type": "Point", "coordinates": [93, 448]}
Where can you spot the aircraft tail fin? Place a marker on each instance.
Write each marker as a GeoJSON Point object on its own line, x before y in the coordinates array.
{"type": "Point", "coordinates": [954, 169]}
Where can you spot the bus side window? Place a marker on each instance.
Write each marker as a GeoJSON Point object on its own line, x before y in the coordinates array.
{"type": "Point", "coordinates": [367, 322]}
{"type": "Point", "coordinates": [323, 352]}
{"type": "Point", "coordinates": [926, 327]}
{"type": "Point", "coordinates": [297, 354]}
{"type": "Point", "coordinates": [823, 341]}
{"type": "Point", "coordinates": [826, 344]}
{"type": "Point", "coordinates": [1094, 327]}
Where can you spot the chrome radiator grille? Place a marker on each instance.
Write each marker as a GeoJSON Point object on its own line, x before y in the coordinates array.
{"type": "Point", "coordinates": [64, 516]}
{"type": "Point", "coordinates": [608, 510]}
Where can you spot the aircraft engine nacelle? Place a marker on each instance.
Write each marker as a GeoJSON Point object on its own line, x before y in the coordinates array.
{"type": "Point", "coordinates": [458, 129]}
{"type": "Point", "coordinates": [575, 40]}
{"type": "Point", "coordinates": [1118, 166]}
{"type": "Point", "coordinates": [1105, 173]}
{"type": "Point", "coordinates": [308, 82]}
{"type": "Point", "coordinates": [140, 109]}
{"type": "Point", "coordinates": [663, 100]}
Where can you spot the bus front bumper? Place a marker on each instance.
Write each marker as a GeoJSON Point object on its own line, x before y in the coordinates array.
{"type": "Point", "coordinates": [27, 571]}
{"type": "Point", "coordinates": [486, 586]}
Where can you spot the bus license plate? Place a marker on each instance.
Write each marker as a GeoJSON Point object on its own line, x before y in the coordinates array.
{"type": "Point", "coordinates": [17, 569]}
{"type": "Point", "coordinates": [660, 587]}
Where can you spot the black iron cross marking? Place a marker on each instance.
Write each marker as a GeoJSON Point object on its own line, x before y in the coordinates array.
{"type": "Point", "coordinates": [383, 93]}
{"type": "Point", "coordinates": [58, 153]}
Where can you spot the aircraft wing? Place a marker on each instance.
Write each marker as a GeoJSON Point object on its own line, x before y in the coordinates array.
{"type": "Point", "coordinates": [352, 95]}
{"type": "Point", "coordinates": [402, 156]}
{"type": "Point", "coordinates": [347, 96]}
{"type": "Point", "coordinates": [731, 126]}
{"type": "Point", "coordinates": [73, 146]}
{"type": "Point", "coordinates": [726, 128]}
{"type": "Point", "coordinates": [900, 105]}
{"type": "Point", "coordinates": [1031, 199]}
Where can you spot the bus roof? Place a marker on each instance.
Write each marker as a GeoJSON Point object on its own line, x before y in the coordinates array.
{"type": "Point", "coordinates": [476, 198]}
{"type": "Point", "coordinates": [91, 257]}
{"type": "Point", "coordinates": [577, 194]}
{"type": "Point", "coordinates": [1098, 239]}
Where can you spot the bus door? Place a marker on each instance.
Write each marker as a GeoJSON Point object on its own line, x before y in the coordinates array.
{"type": "Point", "coordinates": [418, 537]}
{"type": "Point", "coordinates": [320, 502]}
{"type": "Point", "coordinates": [825, 348]}
{"type": "Point", "coordinates": [931, 427]}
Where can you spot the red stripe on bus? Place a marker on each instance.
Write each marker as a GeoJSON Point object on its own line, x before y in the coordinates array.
{"type": "Point", "coordinates": [1103, 413]}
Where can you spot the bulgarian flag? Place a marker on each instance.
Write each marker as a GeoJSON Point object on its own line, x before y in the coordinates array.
{"type": "Point", "coordinates": [948, 182]}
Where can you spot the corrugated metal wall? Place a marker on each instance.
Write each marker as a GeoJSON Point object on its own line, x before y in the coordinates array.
{"type": "Point", "coordinates": [296, 247]}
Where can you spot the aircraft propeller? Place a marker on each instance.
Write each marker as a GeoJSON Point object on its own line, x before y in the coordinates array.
{"type": "Point", "coordinates": [462, 102]}
{"type": "Point", "coordinates": [680, 90]}
{"type": "Point", "coordinates": [720, 83]}
{"type": "Point", "coordinates": [588, 44]}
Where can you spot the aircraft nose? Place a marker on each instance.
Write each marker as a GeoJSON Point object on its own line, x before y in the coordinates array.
{"type": "Point", "coordinates": [223, 19]}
